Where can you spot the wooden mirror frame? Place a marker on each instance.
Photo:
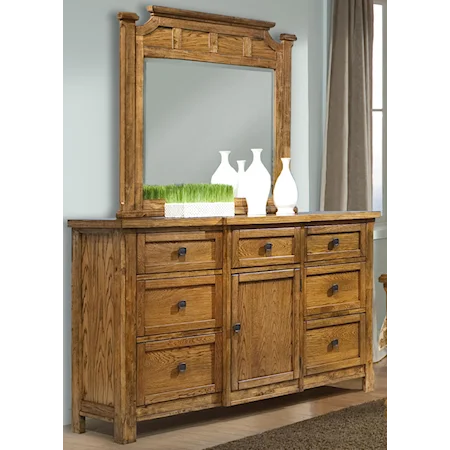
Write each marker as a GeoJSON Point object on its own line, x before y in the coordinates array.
{"type": "Point", "coordinates": [193, 36]}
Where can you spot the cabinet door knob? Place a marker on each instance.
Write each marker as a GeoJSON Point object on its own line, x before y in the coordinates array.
{"type": "Point", "coordinates": [182, 367]}
{"type": "Point", "coordinates": [335, 343]}
{"type": "Point", "coordinates": [181, 304]}
{"type": "Point", "coordinates": [334, 288]}
{"type": "Point", "coordinates": [182, 251]}
{"type": "Point", "coordinates": [237, 327]}
{"type": "Point", "coordinates": [333, 243]}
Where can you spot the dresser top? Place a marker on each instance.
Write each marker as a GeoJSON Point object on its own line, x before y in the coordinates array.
{"type": "Point", "coordinates": [270, 219]}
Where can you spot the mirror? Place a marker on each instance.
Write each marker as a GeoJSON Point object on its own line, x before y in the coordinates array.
{"type": "Point", "coordinates": [192, 110]}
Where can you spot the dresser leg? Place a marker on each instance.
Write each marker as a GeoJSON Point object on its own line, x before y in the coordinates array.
{"type": "Point", "coordinates": [125, 431]}
{"type": "Point", "coordinates": [369, 379]}
{"type": "Point", "coordinates": [78, 423]}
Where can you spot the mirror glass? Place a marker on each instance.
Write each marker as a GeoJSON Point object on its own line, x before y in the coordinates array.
{"type": "Point", "coordinates": [193, 110]}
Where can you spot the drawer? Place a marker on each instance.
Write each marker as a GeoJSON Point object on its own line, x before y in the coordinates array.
{"type": "Point", "coordinates": [178, 368]}
{"type": "Point", "coordinates": [335, 288]}
{"type": "Point", "coordinates": [179, 304]}
{"type": "Point", "coordinates": [268, 246]}
{"type": "Point", "coordinates": [335, 242]}
{"type": "Point", "coordinates": [336, 343]}
{"type": "Point", "coordinates": [170, 252]}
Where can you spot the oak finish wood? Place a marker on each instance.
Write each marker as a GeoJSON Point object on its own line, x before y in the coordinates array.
{"type": "Point", "coordinates": [286, 325]}
{"type": "Point", "coordinates": [204, 429]}
{"type": "Point", "coordinates": [335, 288]}
{"type": "Point", "coordinates": [193, 36]}
{"type": "Point", "coordinates": [159, 310]}
{"type": "Point", "coordinates": [263, 351]}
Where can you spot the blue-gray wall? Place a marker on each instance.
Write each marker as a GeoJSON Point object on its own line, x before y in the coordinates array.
{"type": "Point", "coordinates": [91, 114]}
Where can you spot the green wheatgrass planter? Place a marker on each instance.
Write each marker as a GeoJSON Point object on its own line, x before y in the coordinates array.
{"type": "Point", "coordinates": [193, 200]}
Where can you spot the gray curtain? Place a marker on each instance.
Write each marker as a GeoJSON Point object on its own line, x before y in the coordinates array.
{"type": "Point", "coordinates": [347, 159]}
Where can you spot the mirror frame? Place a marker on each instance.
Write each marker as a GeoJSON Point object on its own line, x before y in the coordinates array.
{"type": "Point", "coordinates": [193, 36]}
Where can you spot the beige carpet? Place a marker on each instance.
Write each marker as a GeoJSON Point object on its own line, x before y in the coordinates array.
{"type": "Point", "coordinates": [362, 427]}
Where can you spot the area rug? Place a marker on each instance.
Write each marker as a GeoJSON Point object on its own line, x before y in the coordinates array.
{"type": "Point", "coordinates": [362, 427]}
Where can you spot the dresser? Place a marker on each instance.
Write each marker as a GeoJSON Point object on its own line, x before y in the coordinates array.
{"type": "Point", "coordinates": [177, 315]}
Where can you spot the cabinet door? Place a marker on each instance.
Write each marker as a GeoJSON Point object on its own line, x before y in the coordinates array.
{"type": "Point", "coordinates": [265, 334]}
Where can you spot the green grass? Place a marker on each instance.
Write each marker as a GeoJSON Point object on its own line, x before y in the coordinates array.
{"type": "Point", "coordinates": [190, 193]}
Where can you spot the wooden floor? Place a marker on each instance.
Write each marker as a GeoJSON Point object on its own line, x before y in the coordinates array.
{"type": "Point", "coordinates": [199, 430]}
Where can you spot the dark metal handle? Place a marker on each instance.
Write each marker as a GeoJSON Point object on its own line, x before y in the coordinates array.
{"type": "Point", "coordinates": [182, 251]}
{"type": "Point", "coordinates": [334, 243]}
{"type": "Point", "coordinates": [182, 367]}
{"type": "Point", "coordinates": [237, 327]}
{"type": "Point", "coordinates": [334, 288]}
{"type": "Point", "coordinates": [268, 247]}
{"type": "Point", "coordinates": [335, 343]}
{"type": "Point", "coordinates": [182, 304]}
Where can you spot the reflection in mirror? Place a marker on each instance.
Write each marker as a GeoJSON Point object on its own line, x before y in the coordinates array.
{"type": "Point", "coordinates": [193, 110]}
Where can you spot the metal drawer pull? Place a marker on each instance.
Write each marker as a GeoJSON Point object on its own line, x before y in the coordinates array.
{"type": "Point", "coordinates": [181, 304]}
{"type": "Point", "coordinates": [182, 251]}
{"type": "Point", "coordinates": [237, 327]}
{"type": "Point", "coordinates": [182, 367]}
{"type": "Point", "coordinates": [333, 244]}
{"type": "Point", "coordinates": [268, 247]}
{"type": "Point", "coordinates": [335, 343]}
{"type": "Point", "coordinates": [334, 288]}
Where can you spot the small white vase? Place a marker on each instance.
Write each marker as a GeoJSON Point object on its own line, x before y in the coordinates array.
{"type": "Point", "coordinates": [241, 179]}
{"type": "Point", "coordinates": [225, 173]}
{"type": "Point", "coordinates": [285, 191]}
{"type": "Point", "coordinates": [257, 185]}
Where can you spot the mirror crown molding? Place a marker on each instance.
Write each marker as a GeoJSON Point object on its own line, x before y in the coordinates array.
{"type": "Point", "coordinates": [174, 13]}
{"type": "Point", "coordinates": [172, 33]}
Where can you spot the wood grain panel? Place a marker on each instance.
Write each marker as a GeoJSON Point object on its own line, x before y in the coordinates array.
{"type": "Point", "coordinates": [263, 349]}
{"type": "Point", "coordinates": [159, 377]}
{"type": "Point", "coordinates": [231, 45]}
{"type": "Point", "coordinates": [195, 40]}
{"type": "Point", "coordinates": [97, 293]}
{"type": "Point", "coordinates": [159, 252]}
{"type": "Point", "coordinates": [334, 288]}
{"type": "Point", "coordinates": [320, 353]}
{"type": "Point", "coordinates": [161, 38]}
{"type": "Point", "coordinates": [159, 308]}
{"type": "Point", "coordinates": [352, 242]}
{"type": "Point", "coordinates": [262, 50]}
{"type": "Point", "coordinates": [249, 247]}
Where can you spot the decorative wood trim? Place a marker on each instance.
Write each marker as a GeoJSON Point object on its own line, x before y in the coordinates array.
{"type": "Point", "coordinates": [332, 377]}
{"type": "Point", "coordinates": [97, 410]}
{"type": "Point", "coordinates": [226, 311]}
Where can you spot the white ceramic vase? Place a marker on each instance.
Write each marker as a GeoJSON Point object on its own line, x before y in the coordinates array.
{"type": "Point", "coordinates": [225, 173]}
{"type": "Point", "coordinates": [257, 185]}
{"type": "Point", "coordinates": [241, 179]}
{"type": "Point", "coordinates": [285, 191]}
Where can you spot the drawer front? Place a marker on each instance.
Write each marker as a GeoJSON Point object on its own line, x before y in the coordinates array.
{"type": "Point", "coordinates": [335, 242]}
{"type": "Point", "coordinates": [169, 252]}
{"type": "Point", "coordinates": [336, 343]}
{"type": "Point", "coordinates": [178, 368]}
{"type": "Point", "coordinates": [263, 247]}
{"type": "Point", "coordinates": [179, 304]}
{"type": "Point", "coordinates": [334, 288]}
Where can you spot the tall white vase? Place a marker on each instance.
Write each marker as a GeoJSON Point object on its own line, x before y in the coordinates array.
{"type": "Point", "coordinates": [285, 191]}
{"type": "Point", "coordinates": [257, 185]}
{"type": "Point", "coordinates": [241, 179]}
{"type": "Point", "coordinates": [225, 173]}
